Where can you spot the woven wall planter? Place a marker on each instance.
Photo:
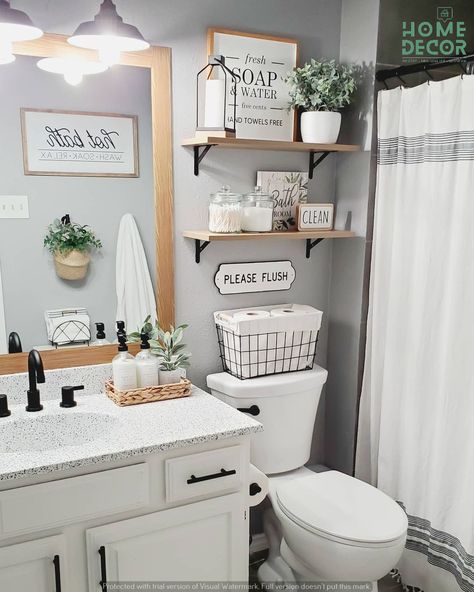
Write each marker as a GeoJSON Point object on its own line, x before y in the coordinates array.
{"type": "Point", "coordinates": [72, 266]}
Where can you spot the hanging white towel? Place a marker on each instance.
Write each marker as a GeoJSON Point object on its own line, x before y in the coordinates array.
{"type": "Point", "coordinates": [135, 295]}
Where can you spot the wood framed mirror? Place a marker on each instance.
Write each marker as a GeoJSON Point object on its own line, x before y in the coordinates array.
{"type": "Point", "coordinates": [158, 61]}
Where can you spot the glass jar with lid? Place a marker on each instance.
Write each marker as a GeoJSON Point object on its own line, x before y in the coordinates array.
{"type": "Point", "coordinates": [225, 211]}
{"type": "Point", "coordinates": [257, 211]}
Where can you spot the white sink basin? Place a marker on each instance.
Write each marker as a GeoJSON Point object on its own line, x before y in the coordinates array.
{"type": "Point", "coordinates": [49, 432]}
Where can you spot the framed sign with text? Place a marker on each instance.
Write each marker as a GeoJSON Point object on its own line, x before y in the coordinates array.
{"type": "Point", "coordinates": [260, 63]}
{"type": "Point", "coordinates": [77, 144]}
{"type": "Point", "coordinates": [261, 276]}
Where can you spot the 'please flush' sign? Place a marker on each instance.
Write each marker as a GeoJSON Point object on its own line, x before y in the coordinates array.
{"type": "Point", "coordinates": [79, 144]}
{"type": "Point", "coordinates": [261, 276]}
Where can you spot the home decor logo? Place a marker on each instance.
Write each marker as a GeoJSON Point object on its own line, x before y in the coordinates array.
{"type": "Point", "coordinates": [434, 40]}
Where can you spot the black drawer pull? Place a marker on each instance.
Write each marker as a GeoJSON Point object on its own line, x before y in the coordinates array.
{"type": "Point", "coordinates": [223, 473]}
{"type": "Point", "coordinates": [254, 489]}
{"type": "Point", "coordinates": [253, 410]}
{"type": "Point", "coordinates": [103, 569]}
{"type": "Point", "coordinates": [57, 572]}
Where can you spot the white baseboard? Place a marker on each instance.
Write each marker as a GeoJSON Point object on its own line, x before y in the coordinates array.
{"type": "Point", "coordinates": [259, 543]}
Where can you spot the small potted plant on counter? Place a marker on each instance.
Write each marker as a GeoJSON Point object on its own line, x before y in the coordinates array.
{"type": "Point", "coordinates": [71, 245]}
{"type": "Point", "coordinates": [167, 346]}
{"type": "Point", "coordinates": [321, 88]}
{"type": "Point", "coordinates": [171, 354]}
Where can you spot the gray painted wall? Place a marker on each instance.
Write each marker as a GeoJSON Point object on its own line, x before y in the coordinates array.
{"type": "Point", "coordinates": [332, 279]}
{"type": "Point", "coordinates": [29, 281]}
{"type": "Point", "coordinates": [359, 27]}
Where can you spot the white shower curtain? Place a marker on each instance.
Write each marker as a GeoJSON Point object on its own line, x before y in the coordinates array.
{"type": "Point", "coordinates": [416, 426]}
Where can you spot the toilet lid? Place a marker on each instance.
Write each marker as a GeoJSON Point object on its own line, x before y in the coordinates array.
{"type": "Point", "coordinates": [341, 506]}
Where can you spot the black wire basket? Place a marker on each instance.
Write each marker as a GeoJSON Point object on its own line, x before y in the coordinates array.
{"type": "Point", "coordinates": [250, 356]}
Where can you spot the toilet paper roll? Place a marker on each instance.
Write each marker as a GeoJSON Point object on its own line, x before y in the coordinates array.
{"type": "Point", "coordinates": [258, 486]}
{"type": "Point", "coordinates": [248, 315]}
{"type": "Point", "coordinates": [285, 312]}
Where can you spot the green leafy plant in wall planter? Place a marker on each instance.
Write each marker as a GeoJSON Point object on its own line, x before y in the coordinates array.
{"type": "Point", "coordinates": [71, 245]}
{"type": "Point", "coordinates": [321, 89]}
{"type": "Point", "coordinates": [168, 347]}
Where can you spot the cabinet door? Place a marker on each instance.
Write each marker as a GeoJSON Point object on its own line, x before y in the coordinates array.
{"type": "Point", "coordinates": [204, 541]}
{"type": "Point", "coordinates": [33, 566]}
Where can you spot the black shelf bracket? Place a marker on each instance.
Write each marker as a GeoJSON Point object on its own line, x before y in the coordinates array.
{"type": "Point", "coordinates": [199, 153]}
{"type": "Point", "coordinates": [310, 245]}
{"type": "Point", "coordinates": [314, 163]}
{"type": "Point", "coordinates": [199, 248]}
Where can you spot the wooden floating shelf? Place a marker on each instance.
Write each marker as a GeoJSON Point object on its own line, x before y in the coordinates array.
{"type": "Point", "coordinates": [269, 145]}
{"type": "Point", "coordinates": [203, 238]}
{"type": "Point", "coordinates": [205, 235]}
{"type": "Point", "coordinates": [202, 145]}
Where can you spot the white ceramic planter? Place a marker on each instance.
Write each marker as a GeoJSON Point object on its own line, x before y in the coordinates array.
{"type": "Point", "coordinates": [320, 127]}
{"type": "Point", "coordinates": [170, 376]}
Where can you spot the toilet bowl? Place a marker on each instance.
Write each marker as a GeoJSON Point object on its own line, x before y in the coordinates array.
{"type": "Point", "coordinates": [334, 527]}
{"type": "Point", "coordinates": [323, 526]}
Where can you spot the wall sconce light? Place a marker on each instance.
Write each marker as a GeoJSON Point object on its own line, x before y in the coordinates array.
{"type": "Point", "coordinates": [15, 25]}
{"type": "Point", "coordinates": [212, 114]}
{"type": "Point", "coordinates": [73, 69]}
{"type": "Point", "coordinates": [109, 35]}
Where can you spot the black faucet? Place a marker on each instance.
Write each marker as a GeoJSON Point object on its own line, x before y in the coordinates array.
{"type": "Point", "coordinates": [35, 375]}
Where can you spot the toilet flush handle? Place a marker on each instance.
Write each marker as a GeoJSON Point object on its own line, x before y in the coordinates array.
{"type": "Point", "coordinates": [252, 410]}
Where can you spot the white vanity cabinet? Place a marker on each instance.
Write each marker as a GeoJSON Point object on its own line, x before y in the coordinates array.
{"type": "Point", "coordinates": [204, 541]}
{"type": "Point", "coordinates": [179, 515]}
{"type": "Point", "coordinates": [33, 566]}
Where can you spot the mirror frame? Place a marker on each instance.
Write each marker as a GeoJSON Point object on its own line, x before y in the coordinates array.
{"type": "Point", "coordinates": [158, 61]}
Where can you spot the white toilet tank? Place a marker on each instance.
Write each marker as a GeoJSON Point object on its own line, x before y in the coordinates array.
{"type": "Point", "coordinates": [285, 404]}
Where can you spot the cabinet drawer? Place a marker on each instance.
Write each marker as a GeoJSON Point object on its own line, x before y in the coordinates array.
{"type": "Point", "coordinates": [38, 507]}
{"type": "Point", "coordinates": [204, 474]}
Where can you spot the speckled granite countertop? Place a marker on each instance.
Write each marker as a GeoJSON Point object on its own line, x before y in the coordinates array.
{"type": "Point", "coordinates": [107, 432]}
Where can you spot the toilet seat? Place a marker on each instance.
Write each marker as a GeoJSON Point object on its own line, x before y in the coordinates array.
{"type": "Point", "coordinates": [336, 506]}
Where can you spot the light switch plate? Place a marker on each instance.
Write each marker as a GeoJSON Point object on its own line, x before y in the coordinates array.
{"type": "Point", "coordinates": [14, 206]}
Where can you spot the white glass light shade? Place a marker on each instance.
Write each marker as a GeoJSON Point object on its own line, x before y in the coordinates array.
{"type": "Point", "coordinates": [6, 52]}
{"type": "Point", "coordinates": [73, 69]}
{"type": "Point", "coordinates": [109, 35]}
{"type": "Point", "coordinates": [16, 25]}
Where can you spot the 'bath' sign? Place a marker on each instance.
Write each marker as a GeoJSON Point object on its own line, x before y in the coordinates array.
{"type": "Point", "coordinates": [262, 276]}
{"type": "Point", "coordinates": [77, 144]}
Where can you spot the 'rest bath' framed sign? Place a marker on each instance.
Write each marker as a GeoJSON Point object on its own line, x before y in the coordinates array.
{"type": "Point", "coordinates": [79, 144]}
{"type": "Point", "coordinates": [261, 276]}
{"type": "Point", "coordinates": [261, 63]}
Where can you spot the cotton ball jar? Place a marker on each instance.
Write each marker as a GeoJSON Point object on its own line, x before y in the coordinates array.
{"type": "Point", "coordinates": [257, 212]}
{"type": "Point", "coordinates": [225, 211]}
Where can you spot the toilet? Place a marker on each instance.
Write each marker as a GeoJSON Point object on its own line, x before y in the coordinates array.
{"type": "Point", "coordinates": [322, 526]}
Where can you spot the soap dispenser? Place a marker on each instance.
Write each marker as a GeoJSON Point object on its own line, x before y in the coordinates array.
{"type": "Point", "coordinates": [124, 368]}
{"type": "Point", "coordinates": [147, 364]}
{"type": "Point", "coordinates": [121, 330]}
{"type": "Point", "coordinates": [100, 338]}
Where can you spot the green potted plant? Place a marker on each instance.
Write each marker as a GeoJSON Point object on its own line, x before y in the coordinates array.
{"type": "Point", "coordinates": [167, 346]}
{"type": "Point", "coordinates": [321, 88]}
{"type": "Point", "coordinates": [71, 245]}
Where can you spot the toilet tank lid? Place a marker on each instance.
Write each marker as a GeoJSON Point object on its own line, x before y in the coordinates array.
{"type": "Point", "coordinates": [268, 386]}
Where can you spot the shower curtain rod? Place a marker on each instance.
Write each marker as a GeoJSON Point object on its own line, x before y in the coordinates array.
{"type": "Point", "coordinates": [426, 67]}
